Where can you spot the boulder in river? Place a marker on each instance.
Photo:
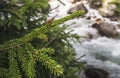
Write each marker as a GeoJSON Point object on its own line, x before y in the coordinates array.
{"type": "Point", "coordinates": [93, 72]}
{"type": "Point", "coordinates": [77, 6]}
{"type": "Point", "coordinates": [95, 4]}
{"type": "Point", "coordinates": [107, 10]}
{"type": "Point", "coordinates": [115, 18]}
{"type": "Point", "coordinates": [106, 29]}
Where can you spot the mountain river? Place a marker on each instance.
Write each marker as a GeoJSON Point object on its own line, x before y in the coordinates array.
{"type": "Point", "coordinates": [100, 51]}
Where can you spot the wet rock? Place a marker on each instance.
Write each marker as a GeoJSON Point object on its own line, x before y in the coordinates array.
{"type": "Point", "coordinates": [95, 4]}
{"type": "Point", "coordinates": [88, 18]}
{"type": "Point", "coordinates": [76, 7]}
{"type": "Point", "coordinates": [118, 26]}
{"type": "Point", "coordinates": [73, 1]}
{"type": "Point", "coordinates": [93, 72]}
{"type": "Point", "coordinates": [108, 10]}
{"type": "Point", "coordinates": [106, 29]}
{"type": "Point", "coordinates": [115, 18]}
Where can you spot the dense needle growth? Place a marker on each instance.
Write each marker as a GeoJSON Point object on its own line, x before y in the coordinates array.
{"type": "Point", "coordinates": [32, 48]}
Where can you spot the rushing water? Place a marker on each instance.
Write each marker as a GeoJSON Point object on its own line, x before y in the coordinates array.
{"type": "Point", "coordinates": [100, 51]}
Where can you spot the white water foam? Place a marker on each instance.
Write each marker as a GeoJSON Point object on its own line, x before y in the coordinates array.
{"type": "Point", "coordinates": [100, 51]}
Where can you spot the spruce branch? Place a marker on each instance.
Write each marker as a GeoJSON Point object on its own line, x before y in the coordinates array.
{"type": "Point", "coordinates": [38, 31]}
{"type": "Point", "coordinates": [48, 62]}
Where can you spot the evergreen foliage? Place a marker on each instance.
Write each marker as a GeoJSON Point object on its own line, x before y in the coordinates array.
{"type": "Point", "coordinates": [30, 48]}
{"type": "Point", "coordinates": [117, 10]}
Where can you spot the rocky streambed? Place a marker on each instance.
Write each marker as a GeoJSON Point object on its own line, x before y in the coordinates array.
{"type": "Point", "coordinates": [99, 29]}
